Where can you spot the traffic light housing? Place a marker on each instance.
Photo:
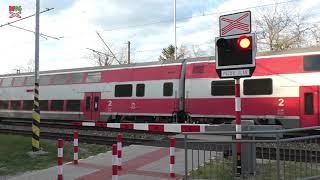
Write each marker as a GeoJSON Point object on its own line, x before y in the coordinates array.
{"type": "Point", "coordinates": [235, 53]}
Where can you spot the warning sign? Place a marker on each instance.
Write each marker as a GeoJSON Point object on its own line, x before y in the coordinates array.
{"type": "Point", "coordinates": [234, 24]}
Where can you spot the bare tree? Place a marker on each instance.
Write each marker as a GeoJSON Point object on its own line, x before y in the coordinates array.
{"type": "Point", "coordinates": [106, 58]}
{"type": "Point", "coordinates": [280, 29]}
{"type": "Point", "coordinates": [315, 35]}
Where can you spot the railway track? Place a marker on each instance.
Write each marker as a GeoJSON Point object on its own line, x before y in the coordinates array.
{"type": "Point", "coordinates": [90, 139]}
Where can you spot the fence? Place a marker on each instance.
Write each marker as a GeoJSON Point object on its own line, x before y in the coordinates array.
{"type": "Point", "coordinates": [280, 156]}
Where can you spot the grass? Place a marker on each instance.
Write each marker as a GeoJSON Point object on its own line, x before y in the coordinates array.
{"type": "Point", "coordinates": [14, 158]}
{"type": "Point", "coordinates": [214, 171]}
{"type": "Point", "coordinates": [266, 171]}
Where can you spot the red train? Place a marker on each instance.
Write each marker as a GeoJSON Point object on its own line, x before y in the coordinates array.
{"type": "Point", "coordinates": [283, 90]}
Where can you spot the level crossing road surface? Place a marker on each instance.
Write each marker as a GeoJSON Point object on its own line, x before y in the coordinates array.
{"type": "Point", "coordinates": [138, 163]}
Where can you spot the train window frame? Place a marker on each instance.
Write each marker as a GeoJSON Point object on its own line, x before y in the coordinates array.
{"type": "Point", "coordinates": [4, 104]}
{"type": "Point", "coordinates": [265, 85]}
{"type": "Point", "coordinates": [94, 75]}
{"type": "Point", "coordinates": [29, 103]}
{"type": "Point", "coordinates": [311, 63]}
{"type": "Point", "coordinates": [7, 82]}
{"type": "Point", "coordinates": [120, 90]}
{"type": "Point", "coordinates": [27, 81]}
{"type": "Point", "coordinates": [308, 103]}
{"type": "Point", "coordinates": [21, 83]}
{"type": "Point", "coordinates": [80, 78]}
{"type": "Point", "coordinates": [140, 90]}
{"type": "Point", "coordinates": [55, 104]}
{"type": "Point", "coordinates": [222, 92]}
{"type": "Point", "coordinates": [168, 89]}
{"type": "Point", "coordinates": [15, 105]}
{"type": "Point", "coordinates": [46, 79]}
{"type": "Point", "coordinates": [57, 76]}
{"type": "Point", "coordinates": [73, 107]}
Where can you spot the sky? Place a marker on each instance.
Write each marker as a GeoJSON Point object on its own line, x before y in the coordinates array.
{"type": "Point", "coordinates": [147, 24]}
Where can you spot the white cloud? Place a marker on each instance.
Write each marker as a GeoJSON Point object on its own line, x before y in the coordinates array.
{"type": "Point", "coordinates": [78, 22]}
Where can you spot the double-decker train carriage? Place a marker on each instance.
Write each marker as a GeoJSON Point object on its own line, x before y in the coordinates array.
{"type": "Point", "coordinates": [284, 90]}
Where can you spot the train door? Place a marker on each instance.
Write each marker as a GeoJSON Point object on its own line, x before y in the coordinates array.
{"type": "Point", "coordinates": [92, 105]}
{"type": "Point", "coordinates": [309, 106]}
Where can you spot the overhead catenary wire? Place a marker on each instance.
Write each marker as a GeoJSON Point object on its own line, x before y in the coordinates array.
{"type": "Point", "coordinates": [48, 9]}
{"type": "Point", "coordinates": [41, 34]}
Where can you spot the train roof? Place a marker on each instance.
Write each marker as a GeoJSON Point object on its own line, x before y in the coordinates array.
{"type": "Point", "coordinates": [300, 51]}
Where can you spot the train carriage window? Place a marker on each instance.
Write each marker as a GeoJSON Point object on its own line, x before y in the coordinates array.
{"type": "Point", "coordinates": [45, 80]}
{"type": "Point", "coordinates": [311, 63]}
{"type": "Point", "coordinates": [27, 105]}
{"type": "Point", "coordinates": [123, 90]}
{"type": "Point", "coordinates": [44, 105]}
{"type": "Point", "coordinates": [15, 105]}
{"type": "Point", "coordinates": [4, 104]}
{"type": "Point", "coordinates": [57, 105]}
{"type": "Point", "coordinates": [140, 90]}
{"type": "Point", "coordinates": [76, 78]}
{"type": "Point", "coordinates": [60, 79]}
{"type": "Point", "coordinates": [94, 77]}
{"type": "Point", "coordinates": [308, 103]}
{"type": "Point", "coordinates": [29, 81]}
{"type": "Point", "coordinates": [18, 81]}
{"type": "Point", "coordinates": [257, 86]}
{"type": "Point", "coordinates": [222, 88]}
{"type": "Point", "coordinates": [168, 89]}
{"type": "Point", "coordinates": [73, 105]}
{"type": "Point", "coordinates": [7, 82]}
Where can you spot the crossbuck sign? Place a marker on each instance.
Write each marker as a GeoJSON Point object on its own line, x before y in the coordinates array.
{"type": "Point", "coordinates": [234, 24]}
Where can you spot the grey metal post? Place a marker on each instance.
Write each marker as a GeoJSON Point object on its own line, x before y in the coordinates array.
{"type": "Point", "coordinates": [185, 157]}
{"type": "Point", "coordinates": [278, 157]}
{"type": "Point", "coordinates": [129, 52]}
{"type": "Point", "coordinates": [175, 29]}
{"type": "Point", "coordinates": [36, 110]}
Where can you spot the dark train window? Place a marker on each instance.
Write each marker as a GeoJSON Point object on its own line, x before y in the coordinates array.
{"type": "Point", "coordinates": [222, 88]}
{"type": "Point", "coordinates": [60, 79]}
{"type": "Point", "coordinates": [311, 63]}
{"type": "Point", "coordinates": [168, 89]}
{"type": "Point", "coordinates": [4, 104]}
{"type": "Point", "coordinates": [43, 104]}
{"type": "Point", "coordinates": [73, 105]}
{"type": "Point", "coordinates": [29, 81]}
{"type": "Point", "coordinates": [140, 90]}
{"type": "Point", "coordinates": [27, 105]}
{"type": "Point", "coordinates": [96, 103]}
{"type": "Point", "coordinates": [257, 86]}
{"type": "Point", "coordinates": [18, 81]}
{"type": "Point", "coordinates": [45, 80]}
{"type": "Point", "coordinates": [15, 105]}
{"type": "Point", "coordinates": [123, 90]}
{"type": "Point", "coordinates": [94, 77]}
{"type": "Point", "coordinates": [88, 103]}
{"type": "Point", "coordinates": [7, 82]}
{"type": "Point", "coordinates": [57, 105]}
{"type": "Point", "coordinates": [76, 77]}
{"type": "Point", "coordinates": [308, 103]}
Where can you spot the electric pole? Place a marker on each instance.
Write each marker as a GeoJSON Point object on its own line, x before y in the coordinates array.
{"type": "Point", "coordinates": [129, 52]}
{"type": "Point", "coordinates": [36, 109]}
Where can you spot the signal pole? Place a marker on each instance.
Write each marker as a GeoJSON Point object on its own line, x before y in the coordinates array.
{"type": "Point", "coordinates": [175, 29]}
{"type": "Point", "coordinates": [36, 109]}
{"type": "Point", "coordinates": [129, 52]}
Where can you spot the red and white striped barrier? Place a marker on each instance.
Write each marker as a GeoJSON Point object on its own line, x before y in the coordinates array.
{"type": "Point", "coordinates": [60, 158]}
{"type": "Point", "coordinates": [119, 148]}
{"type": "Point", "coordinates": [114, 162]}
{"type": "Point", "coordinates": [75, 148]}
{"type": "Point", "coordinates": [171, 153]}
{"type": "Point", "coordinates": [152, 127]}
